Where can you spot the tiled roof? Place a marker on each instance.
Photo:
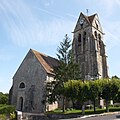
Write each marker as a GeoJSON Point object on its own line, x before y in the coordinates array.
{"type": "Point", "coordinates": [47, 62]}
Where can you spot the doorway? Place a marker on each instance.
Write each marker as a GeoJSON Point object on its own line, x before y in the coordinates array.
{"type": "Point", "coordinates": [21, 103]}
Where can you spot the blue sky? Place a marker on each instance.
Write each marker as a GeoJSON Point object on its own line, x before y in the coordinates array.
{"type": "Point", "coordinates": [42, 24]}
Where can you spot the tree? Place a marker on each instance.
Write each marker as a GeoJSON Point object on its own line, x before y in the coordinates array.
{"type": "Point", "coordinates": [83, 94]}
{"type": "Point", "coordinates": [117, 97]}
{"type": "Point", "coordinates": [67, 70]}
{"type": "Point", "coordinates": [109, 91]}
{"type": "Point", "coordinates": [94, 91]}
{"type": "Point", "coordinates": [3, 98]}
{"type": "Point", "coordinates": [81, 91]}
{"type": "Point", "coordinates": [115, 77]}
{"type": "Point", "coordinates": [70, 90]}
{"type": "Point", "coordinates": [61, 72]}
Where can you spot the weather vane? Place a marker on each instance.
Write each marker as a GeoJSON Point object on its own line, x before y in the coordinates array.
{"type": "Point", "coordinates": [87, 11]}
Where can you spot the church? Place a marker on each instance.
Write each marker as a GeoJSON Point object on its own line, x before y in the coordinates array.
{"type": "Point", "coordinates": [29, 82]}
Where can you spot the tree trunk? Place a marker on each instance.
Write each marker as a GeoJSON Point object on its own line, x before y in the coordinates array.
{"type": "Point", "coordinates": [94, 105]}
{"type": "Point", "coordinates": [72, 103]}
{"type": "Point", "coordinates": [107, 106]}
{"type": "Point", "coordinates": [63, 104]}
{"type": "Point", "coordinates": [83, 109]}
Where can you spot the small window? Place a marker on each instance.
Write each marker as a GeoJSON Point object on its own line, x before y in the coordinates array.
{"type": "Point", "coordinates": [79, 38]}
{"type": "Point", "coordinates": [81, 25]}
{"type": "Point", "coordinates": [95, 33]}
{"type": "Point", "coordinates": [99, 36]}
{"type": "Point", "coordinates": [100, 44]}
{"type": "Point", "coordinates": [96, 22]}
{"type": "Point", "coordinates": [84, 33]}
{"type": "Point", "coordinates": [96, 25]}
{"type": "Point", "coordinates": [22, 85]}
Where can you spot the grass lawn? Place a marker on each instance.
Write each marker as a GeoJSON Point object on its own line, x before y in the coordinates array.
{"type": "Point", "coordinates": [87, 112]}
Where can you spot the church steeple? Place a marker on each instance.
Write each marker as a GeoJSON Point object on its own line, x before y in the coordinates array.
{"type": "Point", "coordinates": [88, 47]}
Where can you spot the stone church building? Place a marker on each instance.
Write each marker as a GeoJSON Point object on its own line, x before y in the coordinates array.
{"type": "Point", "coordinates": [28, 90]}
{"type": "Point", "coordinates": [29, 82]}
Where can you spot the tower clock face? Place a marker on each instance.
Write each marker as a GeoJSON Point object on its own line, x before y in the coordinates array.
{"type": "Point", "coordinates": [81, 21]}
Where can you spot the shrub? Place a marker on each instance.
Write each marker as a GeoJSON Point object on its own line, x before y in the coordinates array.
{"type": "Point", "coordinates": [3, 117]}
{"type": "Point", "coordinates": [6, 109]}
{"type": "Point", "coordinates": [89, 106]}
{"type": "Point", "coordinates": [116, 104]}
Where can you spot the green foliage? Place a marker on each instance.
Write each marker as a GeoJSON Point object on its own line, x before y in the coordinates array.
{"type": "Point", "coordinates": [3, 117]}
{"type": "Point", "coordinates": [6, 109]}
{"type": "Point", "coordinates": [66, 70]}
{"type": "Point", "coordinates": [115, 77]}
{"type": "Point", "coordinates": [4, 98]}
{"type": "Point", "coordinates": [90, 90]}
{"type": "Point", "coordinates": [110, 89]}
{"type": "Point", "coordinates": [12, 116]}
{"type": "Point", "coordinates": [94, 90]}
{"type": "Point", "coordinates": [88, 112]}
{"type": "Point", "coordinates": [64, 50]}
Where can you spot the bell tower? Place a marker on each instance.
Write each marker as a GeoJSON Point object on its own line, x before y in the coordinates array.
{"type": "Point", "coordinates": [88, 47]}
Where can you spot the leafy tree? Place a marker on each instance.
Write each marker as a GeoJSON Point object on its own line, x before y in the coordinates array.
{"type": "Point", "coordinates": [94, 91]}
{"type": "Point", "coordinates": [70, 90]}
{"type": "Point", "coordinates": [117, 97]}
{"type": "Point", "coordinates": [109, 92]}
{"type": "Point", "coordinates": [115, 77]}
{"type": "Point", "coordinates": [84, 94]}
{"type": "Point", "coordinates": [81, 92]}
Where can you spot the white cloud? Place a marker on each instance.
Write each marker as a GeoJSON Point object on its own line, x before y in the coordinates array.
{"type": "Point", "coordinates": [26, 28]}
{"type": "Point", "coordinates": [112, 34]}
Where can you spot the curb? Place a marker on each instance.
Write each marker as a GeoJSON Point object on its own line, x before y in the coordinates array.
{"type": "Point", "coordinates": [97, 115]}
{"type": "Point", "coordinates": [94, 115]}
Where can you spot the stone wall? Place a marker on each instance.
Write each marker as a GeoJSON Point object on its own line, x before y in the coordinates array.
{"type": "Point", "coordinates": [32, 74]}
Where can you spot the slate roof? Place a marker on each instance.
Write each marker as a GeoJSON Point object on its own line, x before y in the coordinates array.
{"type": "Point", "coordinates": [89, 18]}
{"type": "Point", "coordinates": [47, 62]}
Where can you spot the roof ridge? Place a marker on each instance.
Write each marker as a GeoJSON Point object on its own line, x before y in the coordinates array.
{"type": "Point", "coordinates": [38, 52]}
{"type": "Point", "coordinates": [46, 61]}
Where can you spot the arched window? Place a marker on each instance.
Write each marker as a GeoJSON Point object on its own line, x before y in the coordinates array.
{"type": "Point", "coordinates": [79, 38]}
{"type": "Point", "coordinates": [100, 43]}
{"type": "Point", "coordinates": [96, 22]}
{"type": "Point", "coordinates": [95, 33]}
{"type": "Point", "coordinates": [22, 85]}
{"type": "Point", "coordinates": [99, 36]}
{"type": "Point", "coordinates": [96, 25]}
